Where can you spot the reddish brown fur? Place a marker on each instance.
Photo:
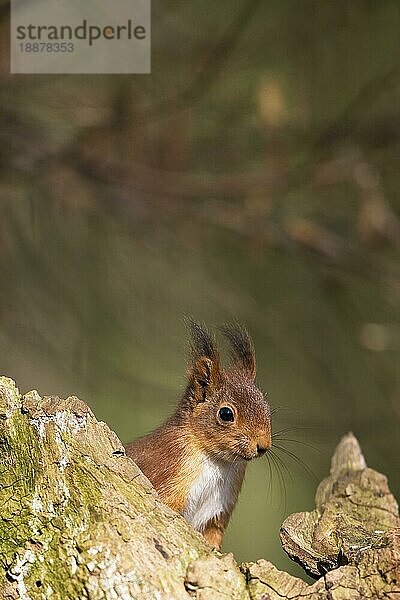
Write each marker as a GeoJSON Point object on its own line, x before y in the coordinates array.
{"type": "Point", "coordinates": [172, 456]}
{"type": "Point", "coordinates": [214, 532]}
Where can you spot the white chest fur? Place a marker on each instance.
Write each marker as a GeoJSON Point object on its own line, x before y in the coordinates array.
{"type": "Point", "coordinates": [214, 491]}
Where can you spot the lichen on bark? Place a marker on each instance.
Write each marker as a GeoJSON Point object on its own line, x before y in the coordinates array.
{"type": "Point", "coordinates": [78, 520]}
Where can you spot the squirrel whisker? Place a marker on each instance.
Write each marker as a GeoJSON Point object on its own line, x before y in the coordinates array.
{"type": "Point", "coordinates": [296, 459]}
{"type": "Point", "coordinates": [294, 441]}
{"type": "Point", "coordinates": [290, 429]}
{"type": "Point", "coordinates": [278, 465]}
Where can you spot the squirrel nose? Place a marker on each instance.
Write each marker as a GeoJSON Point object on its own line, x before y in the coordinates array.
{"type": "Point", "coordinates": [263, 443]}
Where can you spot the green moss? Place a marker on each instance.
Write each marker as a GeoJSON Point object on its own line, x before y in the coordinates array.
{"type": "Point", "coordinates": [65, 514]}
{"type": "Point", "coordinates": [20, 454]}
{"type": "Point", "coordinates": [67, 531]}
{"type": "Point", "coordinates": [35, 516]}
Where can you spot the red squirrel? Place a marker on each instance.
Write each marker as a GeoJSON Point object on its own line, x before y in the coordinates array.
{"type": "Point", "coordinates": [197, 459]}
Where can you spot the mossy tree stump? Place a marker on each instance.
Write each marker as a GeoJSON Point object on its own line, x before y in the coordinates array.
{"type": "Point", "coordinates": [79, 520]}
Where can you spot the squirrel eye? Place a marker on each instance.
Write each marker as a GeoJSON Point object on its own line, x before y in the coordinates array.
{"type": "Point", "coordinates": [226, 414]}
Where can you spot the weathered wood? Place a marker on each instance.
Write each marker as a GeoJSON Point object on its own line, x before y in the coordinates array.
{"type": "Point", "coordinates": [79, 520]}
{"type": "Point", "coordinates": [354, 511]}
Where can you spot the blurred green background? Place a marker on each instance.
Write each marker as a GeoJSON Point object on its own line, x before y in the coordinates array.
{"type": "Point", "coordinates": [254, 176]}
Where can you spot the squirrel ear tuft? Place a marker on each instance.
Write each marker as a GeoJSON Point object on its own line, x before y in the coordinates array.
{"type": "Point", "coordinates": [242, 348]}
{"type": "Point", "coordinates": [202, 343]}
{"type": "Point", "coordinates": [202, 371]}
{"type": "Point", "coordinates": [205, 368]}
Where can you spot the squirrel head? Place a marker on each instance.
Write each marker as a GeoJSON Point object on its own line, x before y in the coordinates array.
{"type": "Point", "coordinates": [227, 413]}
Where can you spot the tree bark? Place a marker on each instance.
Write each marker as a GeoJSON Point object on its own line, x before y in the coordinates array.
{"type": "Point", "coordinates": [78, 520]}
